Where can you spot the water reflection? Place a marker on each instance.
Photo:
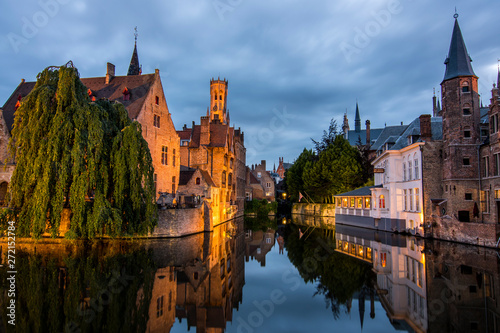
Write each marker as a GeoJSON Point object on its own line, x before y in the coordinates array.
{"type": "Point", "coordinates": [133, 286]}
{"type": "Point", "coordinates": [423, 286]}
{"type": "Point", "coordinates": [383, 281]}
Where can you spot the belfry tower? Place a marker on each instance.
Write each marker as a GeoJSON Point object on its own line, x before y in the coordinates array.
{"type": "Point", "coordinates": [218, 101]}
{"type": "Point", "coordinates": [461, 133]}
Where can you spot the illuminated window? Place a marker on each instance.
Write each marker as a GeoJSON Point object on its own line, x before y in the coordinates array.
{"type": "Point", "coordinates": [410, 198]}
{"type": "Point", "coordinates": [368, 203]}
{"type": "Point", "coordinates": [360, 251]}
{"type": "Point", "coordinates": [353, 249]}
{"type": "Point", "coordinates": [368, 253]}
{"type": "Point", "coordinates": [351, 203]}
{"type": "Point", "coordinates": [344, 202]}
{"type": "Point", "coordinates": [346, 246]}
{"type": "Point", "coordinates": [417, 199]}
{"type": "Point", "coordinates": [405, 207]}
{"type": "Point", "coordinates": [360, 203]}
{"type": "Point", "coordinates": [381, 201]}
{"type": "Point", "coordinates": [383, 259]}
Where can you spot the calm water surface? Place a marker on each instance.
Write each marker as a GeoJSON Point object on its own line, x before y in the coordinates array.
{"type": "Point", "coordinates": [257, 275]}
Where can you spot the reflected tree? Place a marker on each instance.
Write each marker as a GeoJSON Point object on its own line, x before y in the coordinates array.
{"type": "Point", "coordinates": [82, 293]}
{"type": "Point", "coordinates": [338, 276]}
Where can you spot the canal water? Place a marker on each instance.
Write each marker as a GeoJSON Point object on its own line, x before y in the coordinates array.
{"type": "Point", "coordinates": [257, 275]}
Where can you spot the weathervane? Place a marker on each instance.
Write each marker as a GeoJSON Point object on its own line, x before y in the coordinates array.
{"type": "Point", "coordinates": [135, 34]}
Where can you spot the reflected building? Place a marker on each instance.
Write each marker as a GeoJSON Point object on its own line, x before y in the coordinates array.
{"type": "Point", "coordinates": [462, 286]}
{"type": "Point", "coordinates": [209, 288]}
{"type": "Point", "coordinates": [258, 243]}
{"type": "Point", "coordinates": [399, 265]}
{"type": "Point", "coordinates": [199, 278]}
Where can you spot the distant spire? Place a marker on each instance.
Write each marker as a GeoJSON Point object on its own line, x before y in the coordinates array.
{"type": "Point", "coordinates": [134, 68]}
{"type": "Point", "coordinates": [357, 120]}
{"type": "Point", "coordinates": [458, 62]}
{"type": "Point", "coordinates": [498, 77]}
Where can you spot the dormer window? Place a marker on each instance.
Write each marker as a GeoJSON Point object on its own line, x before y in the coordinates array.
{"type": "Point", "coordinates": [91, 95]}
{"type": "Point", "coordinates": [18, 104]}
{"type": "Point", "coordinates": [126, 94]}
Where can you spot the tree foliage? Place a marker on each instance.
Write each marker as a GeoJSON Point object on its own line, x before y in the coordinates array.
{"type": "Point", "coordinates": [86, 156]}
{"type": "Point", "coordinates": [334, 168]}
{"type": "Point", "coordinates": [294, 175]}
{"type": "Point", "coordinates": [328, 137]}
{"type": "Point", "coordinates": [337, 170]}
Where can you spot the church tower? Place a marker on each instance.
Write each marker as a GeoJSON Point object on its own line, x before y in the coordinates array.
{"type": "Point", "coordinates": [218, 101]}
{"type": "Point", "coordinates": [461, 134]}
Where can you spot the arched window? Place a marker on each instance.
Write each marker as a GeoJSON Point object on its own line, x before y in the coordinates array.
{"type": "Point", "coordinates": [465, 87]}
{"type": "Point", "coordinates": [404, 170]}
{"type": "Point", "coordinates": [381, 201]}
{"type": "Point", "coordinates": [230, 179]}
{"type": "Point", "coordinates": [409, 169]}
{"type": "Point", "coordinates": [415, 166]}
{"type": "Point", "coordinates": [215, 97]}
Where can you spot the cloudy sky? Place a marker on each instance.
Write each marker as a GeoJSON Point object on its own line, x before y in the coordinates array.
{"type": "Point", "coordinates": [291, 65]}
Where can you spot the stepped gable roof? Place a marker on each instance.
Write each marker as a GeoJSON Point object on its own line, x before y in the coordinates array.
{"type": "Point", "coordinates": [363, 191]}
{"type": "Point", "coordinates": [137, 85]}
{"type": "Point", "coordinates": [386, 133]}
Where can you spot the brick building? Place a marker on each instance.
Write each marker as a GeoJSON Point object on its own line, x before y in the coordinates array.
{"type": "Point", "coordinates": [217, 148]}
{"type": "Point", "coordinates": [144, 99]}
{"type": "Point", "coordinates": [259, 183]}
{"type": "Point", "coordinates": [282, 167]}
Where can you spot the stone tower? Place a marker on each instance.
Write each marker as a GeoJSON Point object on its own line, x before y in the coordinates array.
{"type": "Point", "coordinates": [461, 135]}
{"type": "Point", "coordinates": [218, 101]}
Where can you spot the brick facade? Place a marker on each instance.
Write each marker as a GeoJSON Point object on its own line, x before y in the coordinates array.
{"type": "Point", "coordinates": [215, 147]}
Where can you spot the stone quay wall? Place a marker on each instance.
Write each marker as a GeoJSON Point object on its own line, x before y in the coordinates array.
{"type": "Point", "coordinates": [314, 209]}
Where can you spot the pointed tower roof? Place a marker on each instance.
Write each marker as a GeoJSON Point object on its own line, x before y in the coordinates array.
{"type": "Point", "coordinates": [458, 62]}
{"type": "Point", "coordinates": [357, 120]}
{"type": "Point", "coordinates": [134, 67]}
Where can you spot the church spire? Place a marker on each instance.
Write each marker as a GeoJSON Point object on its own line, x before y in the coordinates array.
{"type": "Point", "coordinates": [458, 62]}
{"type": "Point", "coordinates": [357, 120]}
{"type": "Point", "coordinates": [134, 68]}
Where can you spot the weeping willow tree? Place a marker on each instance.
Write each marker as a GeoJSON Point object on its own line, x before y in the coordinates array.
{"type": "Point", "coordinates": [86, 156]}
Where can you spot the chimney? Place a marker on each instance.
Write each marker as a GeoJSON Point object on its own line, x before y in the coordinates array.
{"type": "Point", "coordinates": [110, 72]}
{"type": "Point", "coordinates": [368, 141]}
{"type": "Point", "coordinates": [263, 163]}
{"type": "Point", "coordinates": [184, 127]}
{"type": "Point", "coordinates": [425, 127]}
{"type": "Point", "coordinates": [205, 131]}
